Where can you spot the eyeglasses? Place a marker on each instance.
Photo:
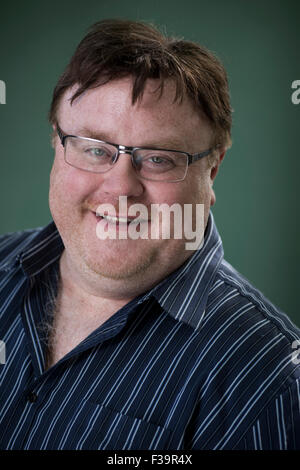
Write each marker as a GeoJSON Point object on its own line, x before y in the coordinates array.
{"type": "Point", "coordinates": [152, 164]}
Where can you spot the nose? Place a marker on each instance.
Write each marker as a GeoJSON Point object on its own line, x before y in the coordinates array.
{"type": "Point", "coordinates": [122, 179]}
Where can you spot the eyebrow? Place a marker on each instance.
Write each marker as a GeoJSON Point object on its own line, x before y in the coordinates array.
{"type": "Point", "coordinates": [168, 143]}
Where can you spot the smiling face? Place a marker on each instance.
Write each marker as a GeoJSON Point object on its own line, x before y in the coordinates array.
{"type": "Point", "coordinates": [125, 268]}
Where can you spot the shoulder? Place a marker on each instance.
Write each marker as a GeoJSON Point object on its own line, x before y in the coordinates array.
{"type": "Point", "coordinates": [243, 293]}
{"type": "Point", "coordinates": [12, 244]}
{"type": "Point", "coordinates": [253, 338]}
{"type": "Point", "coordinates": [252, 357]}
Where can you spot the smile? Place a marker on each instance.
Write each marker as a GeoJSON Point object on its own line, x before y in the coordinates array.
{"type": "Point", "coordinates": [120, 219]}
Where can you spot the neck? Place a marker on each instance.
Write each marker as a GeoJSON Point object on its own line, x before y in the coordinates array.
{"type": "Point", "coordinates": [85, 295]}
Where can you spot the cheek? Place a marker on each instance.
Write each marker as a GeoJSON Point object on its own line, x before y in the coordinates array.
{"type": "Point", "coordinates": [199, 187]}
{"type": "Point", "coordinates": [189, 191]}
{"type": "Point", "coordinates": [67, 184]}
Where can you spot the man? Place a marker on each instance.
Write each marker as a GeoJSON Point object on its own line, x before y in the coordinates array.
{"type": "Point", "coordinates": [116, 342]}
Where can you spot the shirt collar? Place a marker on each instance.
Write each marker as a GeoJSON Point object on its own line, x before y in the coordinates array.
{"type": "Point", "coordinates": [183, 294]}
{"type": "Point", "coordinates": [44, 249]}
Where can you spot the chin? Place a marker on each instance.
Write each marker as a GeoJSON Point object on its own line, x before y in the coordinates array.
{"type": "Point", "coordinates": [121, 263]}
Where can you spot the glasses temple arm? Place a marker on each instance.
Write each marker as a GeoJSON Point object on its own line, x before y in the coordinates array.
{"type": "Point", "coordinates": [198, 156]}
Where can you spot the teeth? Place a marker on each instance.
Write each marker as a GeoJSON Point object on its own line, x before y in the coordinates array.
{"type": "Point", "coordinates": [122, 220]}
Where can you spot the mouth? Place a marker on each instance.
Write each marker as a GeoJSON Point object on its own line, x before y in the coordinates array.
{"type": "Point", "coordinates": [119, 220]}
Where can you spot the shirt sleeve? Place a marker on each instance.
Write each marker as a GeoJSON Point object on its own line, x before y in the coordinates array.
{"type": "Point", "coordinates": [278, 425]}
{"type": "Point", "coordinates": [275, 427]}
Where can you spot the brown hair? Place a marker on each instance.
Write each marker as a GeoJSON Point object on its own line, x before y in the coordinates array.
{"type": "Point", "coordinates": [117, 48]}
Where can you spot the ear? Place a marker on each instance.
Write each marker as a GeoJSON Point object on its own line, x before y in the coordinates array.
{"type": "Point", "coordinates": [213, 173]}
{"type": "Point", "coordinates": [53, 136]}
{"type": "Point", "coordinates": [215, 168]}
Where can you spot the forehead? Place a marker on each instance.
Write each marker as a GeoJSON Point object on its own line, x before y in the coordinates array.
{"type": "Point", "coordinates": [107, 111]}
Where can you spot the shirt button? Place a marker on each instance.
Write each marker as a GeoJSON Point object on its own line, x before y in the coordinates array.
{"type": "Point", "coordinates": [32, 397]}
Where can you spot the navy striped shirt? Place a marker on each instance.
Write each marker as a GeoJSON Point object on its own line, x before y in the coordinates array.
{"type": "Point", "coordinates": [201, 361]}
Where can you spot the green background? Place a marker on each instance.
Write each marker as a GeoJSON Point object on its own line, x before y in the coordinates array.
{"type": "Point", "coordinates": [257, 187]}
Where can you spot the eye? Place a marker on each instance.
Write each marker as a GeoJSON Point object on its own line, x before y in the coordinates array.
{"type": "Point", "coordinates": [158, 160]}
{"type": "Point", "coordinates": [101, 152]}
{"type": "Point", "coordinates": [161, 161]}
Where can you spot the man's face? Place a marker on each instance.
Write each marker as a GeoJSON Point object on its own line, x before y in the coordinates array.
{"type": "Point", "coordinates": [108, 113]}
